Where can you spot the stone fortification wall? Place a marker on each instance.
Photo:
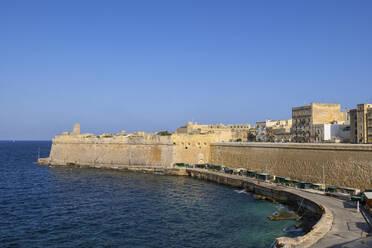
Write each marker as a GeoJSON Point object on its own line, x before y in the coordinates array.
{"type": "Point", "coordinates": [345, 165]}
{"type": "Point", "coordinates": [195, 148]}
{"type": "Point", "coordinates": [138, 149]}
{"type": "Point", "coordinates": [129, 150]}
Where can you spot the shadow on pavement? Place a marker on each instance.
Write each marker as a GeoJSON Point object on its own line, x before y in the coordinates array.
{"type": "Point", "coordinates": [349, 205]}
{"type": "Point", "coordinates": [358, 243]}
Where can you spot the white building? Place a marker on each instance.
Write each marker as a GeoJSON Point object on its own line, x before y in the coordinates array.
{"type": "Point", "coordinates": [332, 133]}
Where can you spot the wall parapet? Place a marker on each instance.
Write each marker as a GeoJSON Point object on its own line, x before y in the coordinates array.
{"type": "Point", "coordinates": [312, 146]}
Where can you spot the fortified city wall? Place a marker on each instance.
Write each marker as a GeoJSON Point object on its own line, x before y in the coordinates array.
{"type": "Point", "coordinates": [346, 165]}
{"type": "Point", "coordinates": [130, 150]}
{"type": "Point", "coordinates": [137, 149]}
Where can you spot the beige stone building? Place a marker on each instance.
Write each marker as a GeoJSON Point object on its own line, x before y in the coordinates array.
{"type": "Point", "coordinates": [238, 132]}
{"type": "Point", "coordinates": [261, 127]}
{"type": "Point", "coordinates": [353, 126]}
{"type": "Point", "coordinates": [278, 134]}
{"type": "Point", "coordinates": [360, 124]}
{"type": "Point", "coordinates": [304, 117]}
{"type": "Point", "coordinates": [205, 128]}
{"type": "Point", "coordinates": [369, 126]}
{"type": "Point", "coordinates": [273, 131]}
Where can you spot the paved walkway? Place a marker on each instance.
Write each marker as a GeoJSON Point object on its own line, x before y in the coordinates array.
{"type": "Point", "coordinates": [348, 224]}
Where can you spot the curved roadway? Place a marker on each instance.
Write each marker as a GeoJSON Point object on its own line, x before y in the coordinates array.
{"type": "Point", "coordinates": [348, 224]}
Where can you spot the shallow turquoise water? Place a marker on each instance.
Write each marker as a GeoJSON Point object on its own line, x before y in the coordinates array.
{"type": "Point", "coordinates": [78, 207]}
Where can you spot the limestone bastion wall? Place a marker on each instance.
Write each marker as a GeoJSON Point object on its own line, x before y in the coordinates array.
{"type": "Point", "coordinates": [137, 149]}
{"type": "Point", "coordinates": [345, 165]}
{"type": "Point", "coordinates": [195, 148]}
{"type": "Point", "coordinates": [127, 150]}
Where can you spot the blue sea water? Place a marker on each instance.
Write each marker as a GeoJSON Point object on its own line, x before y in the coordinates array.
{"type": "Point", "coordinates": [42, 206]}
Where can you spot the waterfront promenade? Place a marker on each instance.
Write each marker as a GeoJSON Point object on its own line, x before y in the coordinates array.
{"type": "Point", "coordinates": [348, 224]}
{"type": "Point", "coordinates": [345, 223]}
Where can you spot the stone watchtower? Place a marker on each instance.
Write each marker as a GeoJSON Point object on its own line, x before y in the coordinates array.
{"type": "Point", "coordinates": [76, 129]}
{"type": "Point", "coordinates": [189, 127]}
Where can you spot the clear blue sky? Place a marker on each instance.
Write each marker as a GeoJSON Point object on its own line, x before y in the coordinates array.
{"type": "Point", "coordinates": [154, 65]}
